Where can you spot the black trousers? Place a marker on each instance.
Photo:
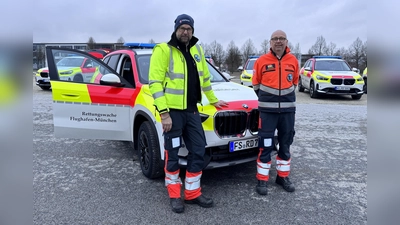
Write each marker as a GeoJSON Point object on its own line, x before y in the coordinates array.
{"type": "Point", "coordinates": [186, 125]}
{"type": "Point", "coordinates": [284, 123]}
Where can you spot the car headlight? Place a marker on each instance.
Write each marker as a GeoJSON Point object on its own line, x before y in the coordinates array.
{"type": "Point", "coordinates": [67, 72]}
{"type": "Point", "coordinates": [360, 79]}
{"type": "Point", "coordinates": [321, 77]}
{"type": "Point", "coordinates": [245, 76]}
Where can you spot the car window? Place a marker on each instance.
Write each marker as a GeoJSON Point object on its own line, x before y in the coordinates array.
{"type": "Point", "coordinates": [250, 64]}
{"type": "Point", "coordinates": [71, 61]}
{"type": "Point", "coordinates": [113, 61]}
{"type": "Point", "coordinates": [332, 65]}
{"type": "Point", "coordinates": [143, 63]}
{"type": "Point", "coordinates": [75, 68]}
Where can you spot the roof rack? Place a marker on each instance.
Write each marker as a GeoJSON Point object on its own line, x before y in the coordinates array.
{"type": "Point", "coordinates": [139, 45]}
{"type": "Point", "coordinates": [327, 57]}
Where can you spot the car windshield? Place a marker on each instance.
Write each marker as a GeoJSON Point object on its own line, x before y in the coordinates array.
{"type": "Point", "coordinates": [143, 62]}
{"type": "Point", "coordinates": [332, 65]}
{"type": "Point", "coordinates": [250, 65]}
{"type": "Point", "coordinates": [70, 62]}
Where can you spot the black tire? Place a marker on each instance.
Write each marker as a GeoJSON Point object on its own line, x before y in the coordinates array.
{"type": "Point", "coordinates": [356, 97]}
{"type": "Point", "coordinates": [78, 78]}
{"type": "Point", "coordinates": [313, 93]}
{"type": "Point", "coordinates": [149, 151]}
{"type": "Point", "coordinates": [301, 87]}
{"type": "Point", "coordinates": [45, 88]}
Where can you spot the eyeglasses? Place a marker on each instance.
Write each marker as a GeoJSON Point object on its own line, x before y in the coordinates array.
{"type": "Point", "coordinates": [183, 29]}
{"type": "Point", "coordinates": [275, 39]}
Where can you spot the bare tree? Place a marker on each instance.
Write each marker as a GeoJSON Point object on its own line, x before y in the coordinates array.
{"type": "Point", "coordinates": [342, 52]}
{"type": "Point", "coordinates": [41, 57]}
{"type": "Point", "coordinates": [356, 51]}
{"type": "Point", "coordinates": [248, 49]}
{"type": "Point", "coordinates": [330, 49]}
{"type": "Point", "coordinates": [91, 43]}
{"type": "Point", "coordinates": [319, 46]}
{"type": "Point", "coordinates": [296, 51]}
{"type": "Point", "coordinates": [206, 48]}
{"type": "Point", "coordinates": [121, 40]}
{"type": "Point", "coordinates": [152, 41]}
{"type": "Point", "coordinates": [217, 53]}
{"type": "Point", "coordinates": [233, 58]}
{"type": "Point", "coordinates": [264, 47]}
{"type": "Point", "coordinates": [290, 45]}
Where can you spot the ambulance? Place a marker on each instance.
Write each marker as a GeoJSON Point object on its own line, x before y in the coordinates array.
{"type": "Point", "coordinates": [119, 106]}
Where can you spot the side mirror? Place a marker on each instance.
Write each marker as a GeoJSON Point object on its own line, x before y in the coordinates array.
{"type": "Point", "coordinates": [89, 66]}
{"type": "Point", "coordinates": [227, 75]}
{"type": "Point", "coordinates": [355, 70]}
{"type": "Point", "coordinates": [111, 80]}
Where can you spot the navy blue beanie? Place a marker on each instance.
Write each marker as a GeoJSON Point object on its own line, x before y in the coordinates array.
{"type": "Point", "coordinates": [183, 19]}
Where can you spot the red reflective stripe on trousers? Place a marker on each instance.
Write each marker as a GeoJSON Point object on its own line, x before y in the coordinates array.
{"type": "Point", "coordinates": [192, 194]}
{"type": "Point", "coordinates": [282, 173]}
{"type": "Point", "coordinates": [174, 190]}
{"type": "Point", "coordinates": [260, 176]}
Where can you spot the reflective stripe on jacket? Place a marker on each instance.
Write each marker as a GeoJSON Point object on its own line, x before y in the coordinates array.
{"type": "Point", "coordinates": [274, 81]}
{"type": "Point", "coordinates": [168, 77]}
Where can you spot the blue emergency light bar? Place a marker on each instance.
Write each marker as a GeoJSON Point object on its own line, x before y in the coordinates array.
{"type": "Point", "coordinates": [254, 57]}
{"type": "Point", "coordinates": [327, 57]}
{"type": "Point", "coordinates": [140, 45]}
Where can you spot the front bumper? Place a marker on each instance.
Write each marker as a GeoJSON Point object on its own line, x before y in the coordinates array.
{"type": "Point", "coordinates": [42, 82]}
{"type": "Point", "coordinates": [327, 88]}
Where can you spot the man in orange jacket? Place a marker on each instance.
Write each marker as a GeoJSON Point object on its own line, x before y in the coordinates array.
{"type": "Point", "coordinates": [275, 78]}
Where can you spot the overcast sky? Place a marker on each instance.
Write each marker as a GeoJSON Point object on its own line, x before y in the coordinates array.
{"type": "Point", "coordinates": [74, 21]}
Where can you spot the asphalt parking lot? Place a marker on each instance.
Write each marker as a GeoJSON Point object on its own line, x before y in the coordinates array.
{"type": "Point", "coordinates": [100, 182]}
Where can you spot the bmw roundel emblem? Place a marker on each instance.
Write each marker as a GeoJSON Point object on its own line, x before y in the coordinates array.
{"type": "Point", "coordinates": [245, 106]}
{"type": "Point", "coordinates": [197, 57]}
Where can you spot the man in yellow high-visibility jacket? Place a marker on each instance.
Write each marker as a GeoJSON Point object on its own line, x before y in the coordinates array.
{"type": "Point", "coordinates": [178, 73]}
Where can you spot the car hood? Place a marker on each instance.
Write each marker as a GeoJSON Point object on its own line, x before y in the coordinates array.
{"type": "Point", "coordinates": [338, 73]}
{"type": "Point", "coordinates": [44, 69]}
{"type": "Point", "coordinates": [65, 68]}
{"type": "Point", "coordinates": [249, 72]}
{"type": "Point", "coordinates": [231, 91]}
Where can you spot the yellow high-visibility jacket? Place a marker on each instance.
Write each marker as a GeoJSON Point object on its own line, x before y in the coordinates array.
{"type": "Point", "coordinates": [168, 77]}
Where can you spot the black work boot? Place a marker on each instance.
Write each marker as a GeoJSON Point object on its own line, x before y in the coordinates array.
{"type": "Point", "coordinates": [201, 201]}
{"type": "Point", "coordinates": [285, 183]}
{"type": "Point", "coordinates": [177, 205]}
{"type": "Point", "coordinates": [261, 187]}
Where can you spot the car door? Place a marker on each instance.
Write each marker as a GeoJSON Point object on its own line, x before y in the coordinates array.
{"type": "Point", "coordinates": [307, 74]}
{"type": "Point", "coordinates": [87, 109]}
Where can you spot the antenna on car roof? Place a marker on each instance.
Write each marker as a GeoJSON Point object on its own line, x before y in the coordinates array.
{"type": "Point", "coordinates": [137, 45]}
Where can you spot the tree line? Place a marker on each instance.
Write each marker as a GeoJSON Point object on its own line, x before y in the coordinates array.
{"type": "Point", "coordinates": [232, 57]}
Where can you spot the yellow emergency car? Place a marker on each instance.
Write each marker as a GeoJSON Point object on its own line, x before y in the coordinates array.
{"type": "Point", "coordinates": [247, 72]}
{"type": "Point", "coordinates": [330, 75]}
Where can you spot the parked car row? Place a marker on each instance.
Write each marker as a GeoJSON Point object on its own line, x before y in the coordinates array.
{"type": "Point", "coordinates": [321, 75]}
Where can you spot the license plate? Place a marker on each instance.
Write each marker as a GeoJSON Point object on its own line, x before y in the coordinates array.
{"type": "Point", "coordinates": [46, 80]}
{"type": "Point", "coordinates": [340, 88]}
{"type": "Point", "coordinates": [243, 144]}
